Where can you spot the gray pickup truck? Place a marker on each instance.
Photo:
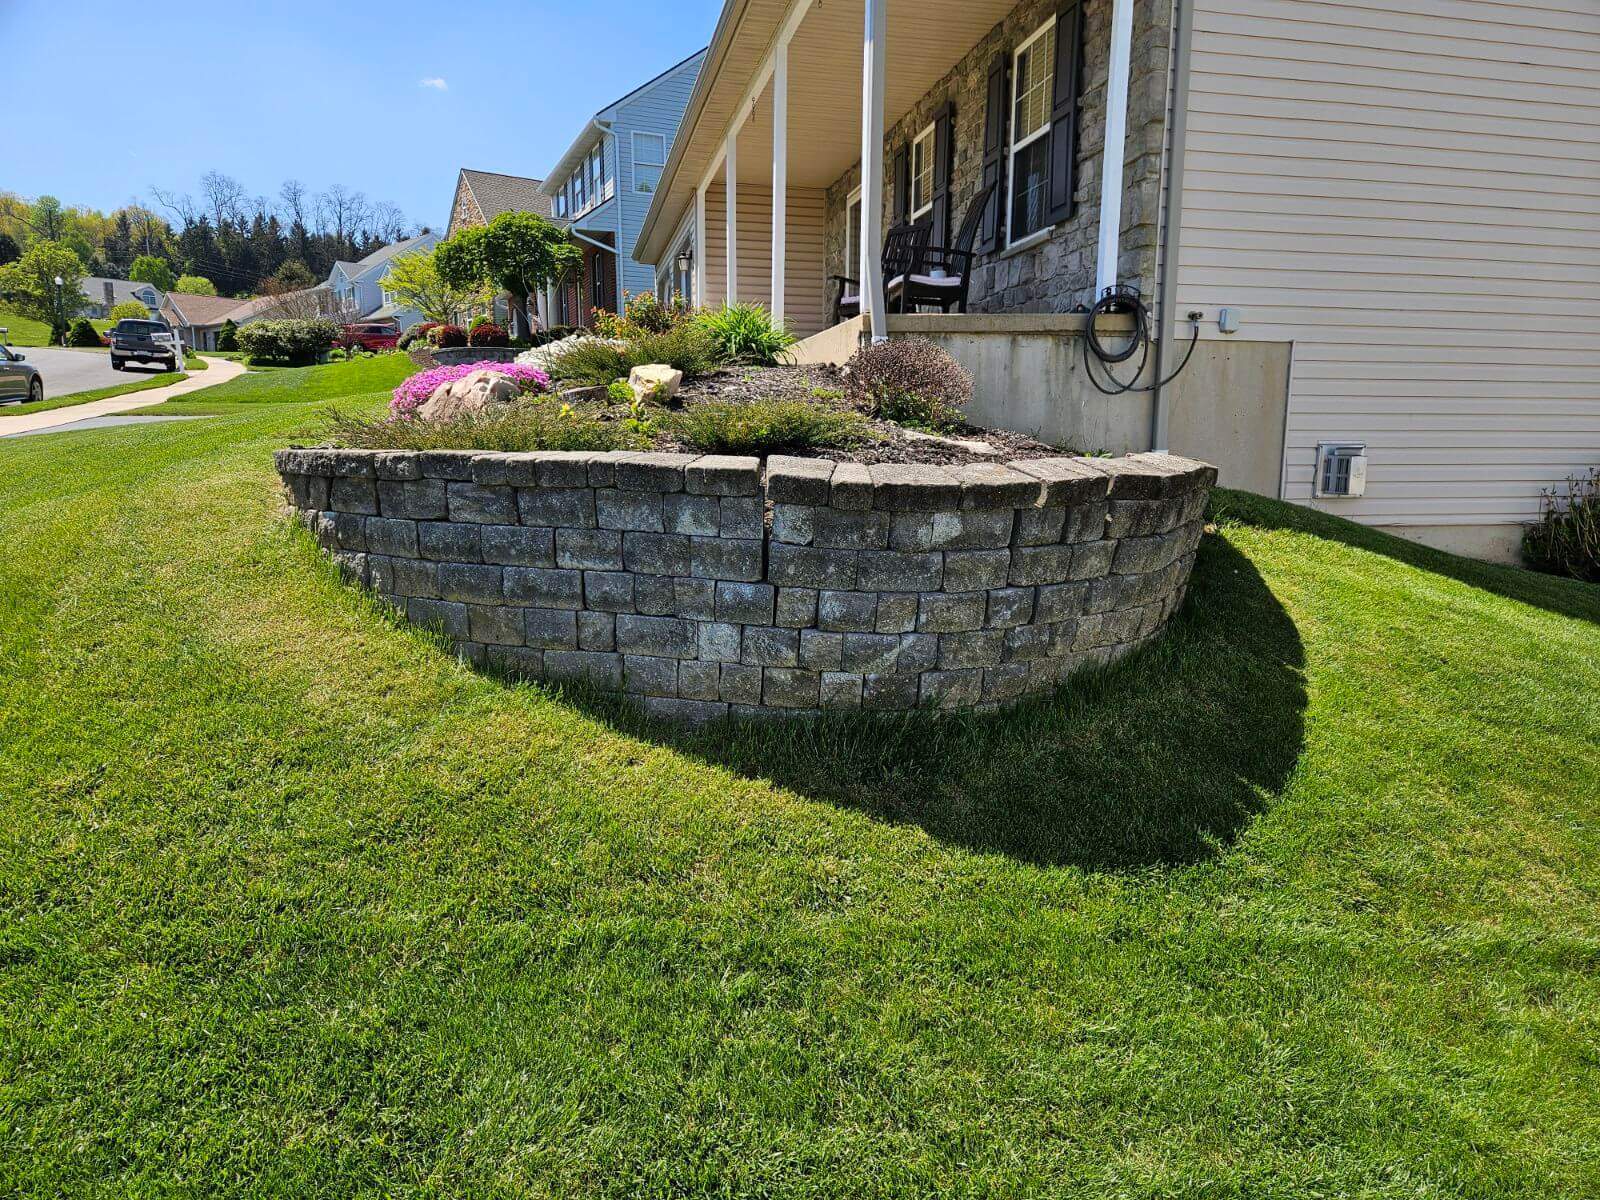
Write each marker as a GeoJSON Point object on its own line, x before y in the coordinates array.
{"type": "Point", "coordinates": [143, 342]}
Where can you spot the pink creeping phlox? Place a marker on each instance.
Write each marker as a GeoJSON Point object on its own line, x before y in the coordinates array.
{"type": "Point", "coordinates": [414, 392]}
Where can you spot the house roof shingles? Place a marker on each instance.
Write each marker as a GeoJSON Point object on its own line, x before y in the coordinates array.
{"type": "Point", "coordinates": [495, 194]}
{"type": "Point", "coordinates": [205, 310]}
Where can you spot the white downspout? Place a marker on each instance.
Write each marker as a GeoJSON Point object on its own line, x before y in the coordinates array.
{"type": "Point", "coordinates": [875, 37]}
{"type": "Point", "coordinates": [1109, 249]}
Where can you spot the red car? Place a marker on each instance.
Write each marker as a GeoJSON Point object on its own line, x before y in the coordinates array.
{"type": "Point", "coordinates": [372, 336]}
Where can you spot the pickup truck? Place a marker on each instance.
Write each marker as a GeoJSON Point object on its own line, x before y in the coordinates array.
{"type": "Point", "coordinates": [143, 342]}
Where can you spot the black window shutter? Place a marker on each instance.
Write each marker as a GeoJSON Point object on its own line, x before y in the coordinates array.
{"type": "Point", "coordinates": [1064, 113]}
{"type": "Point", "coordinates": [944, 162]}
{"type": "Point", "coordinates": [902, 185]}
{"type": "Point", "coordinates": [997, 119]}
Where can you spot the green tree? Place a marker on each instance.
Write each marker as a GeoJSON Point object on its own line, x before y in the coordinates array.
{"type": "Point", "coordinates": [293, 276]}
{"type": "Point", "coordinates": [415, 281]}
{"type": "Point", "coordinates": [518, 252]}
{"type": "Point", "coordinates": [194, 285]}
{"type": "Point", "coordinates": [228, 336]}
{"type": "Point", "coordinates": [129, 310]}
{"type": "Point", "coordinates": [31, 285]}
{"type": "Point", "coordinates": [9, 250]}
{"type": "Point", "coordinates": [147, 268]}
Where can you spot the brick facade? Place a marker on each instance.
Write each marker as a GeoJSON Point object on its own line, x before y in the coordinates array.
{"type": "Point", "coordinates": [703, 588]}
{"type": "Point", "coordinates": [1057, 274]}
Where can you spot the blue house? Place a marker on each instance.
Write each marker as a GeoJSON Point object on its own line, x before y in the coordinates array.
{"type": "Point", "coordinates": [601, 191]}
{"type": "Point", "coordinates": [358, 290]}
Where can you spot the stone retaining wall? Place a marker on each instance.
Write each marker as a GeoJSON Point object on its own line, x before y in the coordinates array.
{"type": "Point", "coordinates": [702, 586]}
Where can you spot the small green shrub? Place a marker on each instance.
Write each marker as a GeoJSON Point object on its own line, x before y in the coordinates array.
{"type": "Point", "coordinates": [594, 362]}
{"type": "Point", "coordinates": [641, 315]}
{"type": "Point", "coordinates": [1566, 538]}
{"type": "Point", "coordinates": [519, 428]}
{"type": "Point", "coordinates": [766, 427]}
{"type": "Point", "coordinates": [620, 392]}
{"type": "Point", "coordinates": [910, 381]}
{"type": "Point", "coordinates": [295, 343]}
{"type": "Point", "coordinates": [745, 333]}
{"type": "Point", "coordinates": [82, 334]}
{"type": "Point", "coordinates": [228, 335]}
{"type": "Point", "coordinates": [129, 310]}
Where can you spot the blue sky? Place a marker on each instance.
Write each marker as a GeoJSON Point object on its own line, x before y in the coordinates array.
{"type": "Point", "coordinates": [390, 99]}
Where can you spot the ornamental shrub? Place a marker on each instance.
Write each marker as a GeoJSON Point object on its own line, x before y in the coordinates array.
{"type": "Point", "coordinates": [487, 333]}
{"type": "Point", "coordinates": [745, 333]}
{"type": "Point", "coordinates": [910, 381]}
{"type": "Point", "coordinates": [82, 334]}
{"type": "Point", "coordinates": [1566, 538]}
{"type": "Point", "coordinates": [129, 310]}
{"type": "Point", "coordinates": [228, 335]}
{"type": "Point", "coordinates": [417, 333]}
{"type": "Point", "coordinates": [447, 336]}
{"type": "Point", "coordinates": [414, 392]}
{"type": "Point", "coordinates": [293, 343]}
{"type": "Point", "coordinates": [516, 428]}
{"type": "Point", "coordinates": [597, 362]}
{"type": "Point", "coordinates": [766, 427]}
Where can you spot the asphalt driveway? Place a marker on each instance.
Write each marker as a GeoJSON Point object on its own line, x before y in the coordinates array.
{"type": "Point", "coordinates": [69, 371]}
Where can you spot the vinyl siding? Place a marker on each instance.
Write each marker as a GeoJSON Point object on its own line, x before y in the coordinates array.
{"type": "Point", "coordinates": [656, 109]}
{"type": "Point", "coordinates": [1409, 191]}
{"type": "Point", "coordinates": [805, 290]}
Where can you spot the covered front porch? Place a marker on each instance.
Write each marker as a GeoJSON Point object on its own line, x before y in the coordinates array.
{"type": "Point", "coordinates": [799, 99]}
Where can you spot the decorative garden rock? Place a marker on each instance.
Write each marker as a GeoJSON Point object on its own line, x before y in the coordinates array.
{"type": "Point", "coordinates": [468, 396]}
{"type": "Point", "coordinates": [704, 586]}
{"type": "Point", "coordinates": [655, 381]}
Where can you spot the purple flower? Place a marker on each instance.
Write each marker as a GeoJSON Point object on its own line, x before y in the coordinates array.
{"type": "Point", "coordinates": [414, 392]}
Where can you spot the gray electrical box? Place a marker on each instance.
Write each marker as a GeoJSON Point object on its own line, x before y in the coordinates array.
{"type": "Point", "coordinates": [1228, 320]}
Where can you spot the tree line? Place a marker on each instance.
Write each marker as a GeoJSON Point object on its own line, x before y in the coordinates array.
{"type": "Point", "coordinates": [244, 245]}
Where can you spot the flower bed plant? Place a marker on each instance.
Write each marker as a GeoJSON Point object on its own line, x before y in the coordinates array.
{"type": "Point", "coordinates": [414, 392]}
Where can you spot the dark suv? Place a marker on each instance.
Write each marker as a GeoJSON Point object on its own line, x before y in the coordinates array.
{"type": "Point", "coordinates": [143, 342]}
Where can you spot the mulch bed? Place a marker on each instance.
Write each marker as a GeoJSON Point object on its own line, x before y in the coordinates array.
{"type": "Point", "coordinates": [825, 386]}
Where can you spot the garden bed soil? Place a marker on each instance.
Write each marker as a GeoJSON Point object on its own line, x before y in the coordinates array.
{"type": "Point", "coordinates": [825, 386]}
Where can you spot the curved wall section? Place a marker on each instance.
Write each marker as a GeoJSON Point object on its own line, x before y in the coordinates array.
{"type": "Point", "coordinates": [703, 586]}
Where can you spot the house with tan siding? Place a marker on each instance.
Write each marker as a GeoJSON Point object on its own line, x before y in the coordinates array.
{"type": "Point", "coordinates": [1379, 224]}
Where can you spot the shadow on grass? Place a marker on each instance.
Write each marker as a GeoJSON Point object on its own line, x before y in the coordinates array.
{"type": "Point", "coordinates": [1565, 597]}
{"type": "Point", "coordinates": [1159, 761]}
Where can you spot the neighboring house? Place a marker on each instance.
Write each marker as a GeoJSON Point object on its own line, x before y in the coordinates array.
{"type": "Point", "coordinates": [602, 188]}
{"type": "Point", "coordinates": [102, 295]}
{"type": "Point", "coordinates": [481, 196]}
{"type": "Point", "coordinates": [197, 319]}
{"type": "Point", "coordinates": [357, 287]}
{"type": "Point", "coordinates": [1386, 217]}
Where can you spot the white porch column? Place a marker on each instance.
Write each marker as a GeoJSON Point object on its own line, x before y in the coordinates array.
{"type": "Point", "coordinates": [699, 297]}
{"type": "Point", "coordinates": [780, 174]}
{"type": "Point", "coordinates": [1105, 274]}
{"type": "Point", "coordinates": [873, 63]}
{"type": "Point", "coordinates": [730, 167]}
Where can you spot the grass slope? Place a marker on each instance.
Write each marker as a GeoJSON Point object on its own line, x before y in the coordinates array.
{"type": "Point", "coordinates": [25, 331]}
{"type": "Point", "coordinates": [1304, 902]}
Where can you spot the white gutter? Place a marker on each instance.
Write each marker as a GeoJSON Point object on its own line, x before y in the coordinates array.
{"type": "Point", "coordinates": [1107, 254]}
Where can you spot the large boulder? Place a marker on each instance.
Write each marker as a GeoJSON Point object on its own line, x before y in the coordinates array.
{"type": "Point", "coordinates": [468, 396]}
{"type": "Point", "coordinates": [655, 381]}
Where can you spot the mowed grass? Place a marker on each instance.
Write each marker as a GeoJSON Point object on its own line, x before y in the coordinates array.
{"type": "Point", "coordinates": [25, 331]}
{"type": "Point", "coordinates": [1304, 901]}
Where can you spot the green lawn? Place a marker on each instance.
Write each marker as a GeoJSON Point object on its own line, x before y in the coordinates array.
{"type": "Point", "coordinates": [1304, 901]}
{"type": "Point", "coordinates": [25, 331]}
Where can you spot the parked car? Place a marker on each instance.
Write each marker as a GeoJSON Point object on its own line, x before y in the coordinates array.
{"type": "Point", "coordinates": [19, 383]}
{"type": "Point", "coordinates": [143, 342]}
{"type": "Point", "coordinates": [376, 336]}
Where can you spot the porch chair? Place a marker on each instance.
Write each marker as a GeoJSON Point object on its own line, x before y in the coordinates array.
{"type": "Point", "coordinates": [946, 276]}
{"type": "Point", "coordinates": [904, 248]}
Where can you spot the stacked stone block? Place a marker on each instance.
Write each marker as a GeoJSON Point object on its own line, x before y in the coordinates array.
{"type": "Point", "coordinates": [704, 587]}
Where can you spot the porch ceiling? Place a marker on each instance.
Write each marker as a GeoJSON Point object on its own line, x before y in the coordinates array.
{"type": "Point", "coordinates": [926, 39]}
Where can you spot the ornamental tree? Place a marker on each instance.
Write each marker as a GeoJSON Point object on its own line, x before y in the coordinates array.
{"type": "Point", "coordinates": [518, 252]}
{"type": "Point", "coordinates": [194, 285]}
{"type": "Point", "coordinates": [30, 282]}
{"type": "Point", "coordinates": [147, 268]}
{"type": "Point", "coordinates": [129, 310]}
{"type": "Point", "coordinates": [415, 281]}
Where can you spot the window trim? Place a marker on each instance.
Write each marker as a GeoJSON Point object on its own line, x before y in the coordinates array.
{"type": "Point", "coordinates": [852, 262]}
{"type": "Point", "coordinates": [1013, 146]}
{"type": "Point", "coordinates": [928, 136]}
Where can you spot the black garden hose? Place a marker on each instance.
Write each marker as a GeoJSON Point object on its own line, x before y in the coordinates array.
{"type": "Point", "coordinates": [1116, 301]}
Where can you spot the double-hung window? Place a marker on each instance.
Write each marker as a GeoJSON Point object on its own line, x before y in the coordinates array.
{"type": "Point", "coordinates": [922, 174]}
{"type": "Point", "coordinates": [1033, 79]}
{"type": "Point", "coordinates": [649, 156]}
{"type": "Point", "coordinates": [852, 236]}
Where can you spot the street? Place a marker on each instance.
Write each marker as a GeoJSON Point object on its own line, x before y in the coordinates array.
{"type": "Point", "coordinates": [68, 371]}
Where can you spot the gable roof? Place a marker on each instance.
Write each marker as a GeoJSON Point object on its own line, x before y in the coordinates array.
{"type": "Point", "coordinates": [94, 287]}
{"type": "Point", "coordinates": [591, 132]}
{"type": "Point", "coordinates": [495, 194]}
{"type": "Point", "coordinates": [204, 310]}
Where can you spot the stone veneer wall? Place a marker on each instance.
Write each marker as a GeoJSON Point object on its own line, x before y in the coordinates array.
{"type": "Point", "coordinates": [1058, 273]}
{"type": "Point", "coordinates": [703, 587]}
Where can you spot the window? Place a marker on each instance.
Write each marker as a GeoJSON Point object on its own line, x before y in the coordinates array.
{"type": "Point", "coordinates": [561, 202]}
{"type": "Point", "coordinates": [649, 156]}
{"type": "Point", "coordinates": [922, 174]}
{"type": "Point", "coordinates": [852, 236]}
{"type": "Point", "coordinates": [1033, 76]}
